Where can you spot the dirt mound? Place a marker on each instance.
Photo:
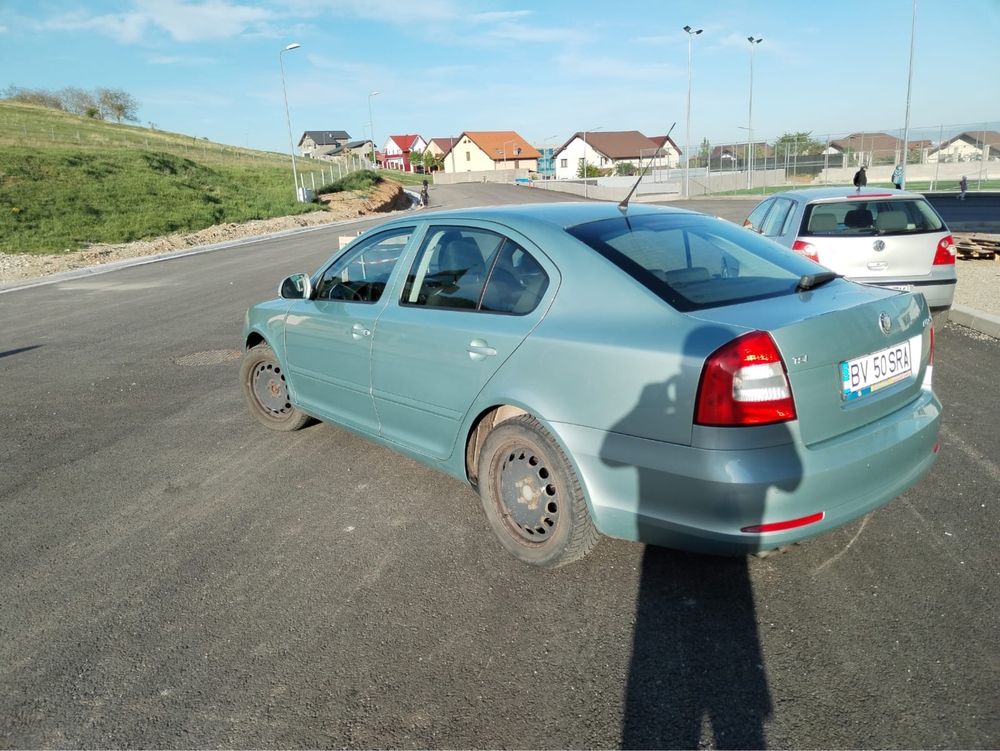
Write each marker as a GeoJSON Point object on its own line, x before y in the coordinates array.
{"type": "Point", "coordinates": [386, 196]}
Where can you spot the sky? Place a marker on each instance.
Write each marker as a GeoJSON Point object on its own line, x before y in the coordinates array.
{"type": "Point", "coordinates": [546, 69]}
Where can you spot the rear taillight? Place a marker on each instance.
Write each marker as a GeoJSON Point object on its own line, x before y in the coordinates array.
{"type": "Point", "coordinates": [945, 253]}
{"type": "Point", "coordinates": [805, 249]}
{"type": "Point", "coordinates": [744, 382]}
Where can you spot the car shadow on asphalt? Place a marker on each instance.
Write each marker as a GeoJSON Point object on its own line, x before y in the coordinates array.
{"type": "Point", "coordinates": [19, 350]}
{"type": "Point", "coordinates": [697, 676]}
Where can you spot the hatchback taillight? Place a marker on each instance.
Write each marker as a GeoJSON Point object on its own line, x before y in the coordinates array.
{"type": "Point", "coordinates": [745, 382]}
{"type": "Point", "coordinates": [805, 249]}
{"type": "Point", "coordinates": [945, 253]}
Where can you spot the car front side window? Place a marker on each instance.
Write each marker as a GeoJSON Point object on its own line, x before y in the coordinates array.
{"type": "Point", "coordinates": [362, 274]}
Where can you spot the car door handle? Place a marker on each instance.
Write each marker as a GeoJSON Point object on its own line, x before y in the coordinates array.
{"type": "Point", "coordinates": [479, 349]}
{"type": "Point", "coordinates": [358, 331]}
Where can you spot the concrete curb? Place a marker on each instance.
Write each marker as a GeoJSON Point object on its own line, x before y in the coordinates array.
{"type": "Point", "coordinates": [984, 323]}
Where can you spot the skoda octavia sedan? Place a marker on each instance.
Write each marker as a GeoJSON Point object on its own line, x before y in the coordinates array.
{"type": "Point", "coordinates": [649, 374]}
{"type": "Point", "coordinates": [890, 238]}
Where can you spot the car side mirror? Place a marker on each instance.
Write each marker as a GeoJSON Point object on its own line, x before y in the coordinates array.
{"type": "Point", "coordinates": [296, 287]}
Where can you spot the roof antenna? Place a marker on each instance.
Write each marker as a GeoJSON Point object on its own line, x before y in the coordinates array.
{"type": "Point", "coordinates": [623, 206]}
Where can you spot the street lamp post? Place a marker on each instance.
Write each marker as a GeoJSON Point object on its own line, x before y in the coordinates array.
{"type": "Point", "coordinates": [692, 33]}
{"type": "Point", "coordinates": [753, 44]}
{"type": "Point", "coordinates": [288, 119]}
{"type": "Point", "coordinates": [586, 182]}
{"type": "Point", "coordinates": [909, 86]}
{"type": "Point", "coordinates": [371, 124]}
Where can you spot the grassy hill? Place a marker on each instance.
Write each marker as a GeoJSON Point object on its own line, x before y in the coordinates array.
{"type": "Point", "coordinates": [68, 181]}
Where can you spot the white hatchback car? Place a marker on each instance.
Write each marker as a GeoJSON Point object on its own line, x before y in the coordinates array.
{"type": "Point", "coordinates": [890, 238]}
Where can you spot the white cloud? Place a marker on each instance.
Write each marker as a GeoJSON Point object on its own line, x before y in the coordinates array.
{"type": "Point", "coordinates": [182, 21]}
{"type": "Point", "coordinates": [499, 15]}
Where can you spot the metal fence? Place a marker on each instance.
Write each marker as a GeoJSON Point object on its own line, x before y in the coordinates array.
{"type": "Point", "coordinates": [936, 158]}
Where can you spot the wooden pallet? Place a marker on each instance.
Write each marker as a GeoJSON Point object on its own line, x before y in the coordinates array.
{"type": "Point", "coordinates": [977, 245]}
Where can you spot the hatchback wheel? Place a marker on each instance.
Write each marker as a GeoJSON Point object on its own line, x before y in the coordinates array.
{"type": "Point", "coordinates": [532, 498]}
{"type": "Point", "coordinates": [266, 391]}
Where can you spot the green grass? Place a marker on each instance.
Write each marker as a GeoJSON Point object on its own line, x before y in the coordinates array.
{"type": "Point", "coordinates": [68, 181]}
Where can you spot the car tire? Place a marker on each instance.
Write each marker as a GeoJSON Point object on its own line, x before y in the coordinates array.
{"type": "Point", "coordinates": [532, 497]}
{"type": "Point", "coordinates": [266, 391]}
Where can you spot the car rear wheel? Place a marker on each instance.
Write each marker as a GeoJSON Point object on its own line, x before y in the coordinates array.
{"type": "Point", "coordinates": [266, 391]}
{"type": "Point", "coordinates": [532, 498]}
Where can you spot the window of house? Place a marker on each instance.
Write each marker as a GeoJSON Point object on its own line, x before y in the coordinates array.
{"type": "Point", "coordinates": [468, 156]}
{"type": "Point", "coordinates": [474, 270]}
{"type": "Point", "coordinates": [564, 162]}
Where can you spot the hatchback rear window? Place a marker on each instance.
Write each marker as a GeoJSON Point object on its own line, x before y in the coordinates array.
{"type": "Point", "coordinates": [861, 217]}
{"type": "Point", "coordinates": [695, 262]}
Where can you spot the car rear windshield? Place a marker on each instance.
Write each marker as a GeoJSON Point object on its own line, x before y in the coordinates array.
{"type": "Point", "coordinates": [870, 217]}
{"type": "Point", "coordinates": [693, 261]}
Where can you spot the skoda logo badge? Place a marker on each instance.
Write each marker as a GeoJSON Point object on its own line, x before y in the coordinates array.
{"type": "Point", "coordinates": [884, 322]}
{"type": "Point", "coordinates": [878, 245]}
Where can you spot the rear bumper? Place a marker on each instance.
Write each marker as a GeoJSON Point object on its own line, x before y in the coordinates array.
{"type": "Point", "coordinates": [938, 291]}
{"type": "Point", "coordinates": [700, 499]}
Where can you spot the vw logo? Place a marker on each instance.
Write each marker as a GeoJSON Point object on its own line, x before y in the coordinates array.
{"type": "Point", "coordinates": [878, 245]}
{"type": "Point", "coordinates": [884, 322]}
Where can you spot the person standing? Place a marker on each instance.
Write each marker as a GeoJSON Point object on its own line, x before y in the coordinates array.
{"type": "Point", "coordinates": [860, 178]}
{"type": "Point", "coordinates": [963, 186]}
{"type": "Point", "coordinates": [897, 177]}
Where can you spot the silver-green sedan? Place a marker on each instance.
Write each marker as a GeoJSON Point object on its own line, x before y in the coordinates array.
{"type": "Point", "coordinates": [649, 374]}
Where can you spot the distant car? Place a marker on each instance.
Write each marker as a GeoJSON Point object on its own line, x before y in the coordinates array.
{"type": "Point", "coordinates": [650, 374]}
{"type": "Point", "coordinates": [891, 238]}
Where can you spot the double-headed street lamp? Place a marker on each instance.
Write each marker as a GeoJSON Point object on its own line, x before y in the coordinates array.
{"type": "Point", "coordinates": [288, 119]}
{"type": "Point", "coordinates": [692, 33]}
{"type": "Point", "coordinates": [753, 44]}
{"type": "Point", "coordinates": [371, 124]}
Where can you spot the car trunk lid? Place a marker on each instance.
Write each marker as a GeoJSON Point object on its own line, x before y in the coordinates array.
{"type": "Point", "coordinates": [853, 355]}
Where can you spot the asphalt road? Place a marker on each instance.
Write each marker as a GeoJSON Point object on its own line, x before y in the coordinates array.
{"type": "Point", "coordinates": [174, 575]}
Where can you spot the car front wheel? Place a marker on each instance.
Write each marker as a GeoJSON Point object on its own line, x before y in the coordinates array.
{"type": "Point", "coordinates": [266, 392]}
{"type": "Point", "coordinates": [532, 498]}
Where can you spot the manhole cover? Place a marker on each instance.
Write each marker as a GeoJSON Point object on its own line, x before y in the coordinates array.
{"type": "Point", "coordinates": [211, 357]}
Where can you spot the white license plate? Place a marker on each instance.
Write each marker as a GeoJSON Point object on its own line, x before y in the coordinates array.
{"type": "Point", "coordinates": [870, 373]}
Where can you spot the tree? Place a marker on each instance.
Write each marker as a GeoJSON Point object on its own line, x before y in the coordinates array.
{"type": "Point", "coordinates": [80, 102]}
{"type": "Point", "coordinates": [801, 143]}
{"type": "Point", "coordinates": [119, 104]}
{"type": "Point", "coordinates": [591, 170]}
{"type": "Point", "coordinates": [704, 153]}
{"type": "Point", "coordinates": [625, 169]}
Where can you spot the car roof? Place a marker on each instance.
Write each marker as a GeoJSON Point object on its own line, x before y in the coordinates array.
{"type": "Point", "coordinates": [843, 193]}
{"type": "Point", "coordinates": [556, 215]}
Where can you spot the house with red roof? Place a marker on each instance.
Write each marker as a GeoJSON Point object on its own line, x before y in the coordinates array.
{"type": "Point", "coordinates": [397, 150]}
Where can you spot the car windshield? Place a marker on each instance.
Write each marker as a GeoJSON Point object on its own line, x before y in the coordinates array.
{"type": "Point", "coordinates": [870, 217]}
{"type": "Point", "coordinates": [695, 262]}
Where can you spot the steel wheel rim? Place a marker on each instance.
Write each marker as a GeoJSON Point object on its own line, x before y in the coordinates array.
{"type": "Point", "coordinates": [267, 384]}
{"type": "Point", "coordinates": [527, 495]}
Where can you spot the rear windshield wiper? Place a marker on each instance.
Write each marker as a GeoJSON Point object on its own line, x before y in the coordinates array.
{"type": "Point", "coordinates": [811, 281]}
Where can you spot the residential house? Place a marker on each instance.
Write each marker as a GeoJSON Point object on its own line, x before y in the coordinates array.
{"type": "Point", "coordinates": [605, 150]}
{"type": "Point", "coordinates": [441, 147]}
{"type": "Point", "coordinates": [867, 148]}
{"type": "Point", "coordinates": [668, 149]}
{"type": "Point", "coordinates": [970, 146]}
{"type": "Point", "coordinates": [358, 148]}
{"type": "Point", "coordinates": [315, 143]}
{"type": "Point", "coordinates": [397, 150]}
{"type": "Point", "coordinates": [490, 150]}
{"type": "Point", "coordinates": [734, 155]}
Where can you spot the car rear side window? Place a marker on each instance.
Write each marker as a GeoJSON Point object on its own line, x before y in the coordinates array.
{"type": "Point", "coordinates": [695, 262]}
{"type": "Point", "coordinates": [870, 217]}
{"type": "Point", "coordinates": [756, 219]}
{"type": "Point", "coordinates": [775, 221]}
{"type": "Point", "coordinates": [465, 268]}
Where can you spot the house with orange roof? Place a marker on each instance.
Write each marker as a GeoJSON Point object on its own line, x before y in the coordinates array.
{"type": "Point", "coordinates": [490, 150]}
{"type": "Point", "coordinates": [397, 150]}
